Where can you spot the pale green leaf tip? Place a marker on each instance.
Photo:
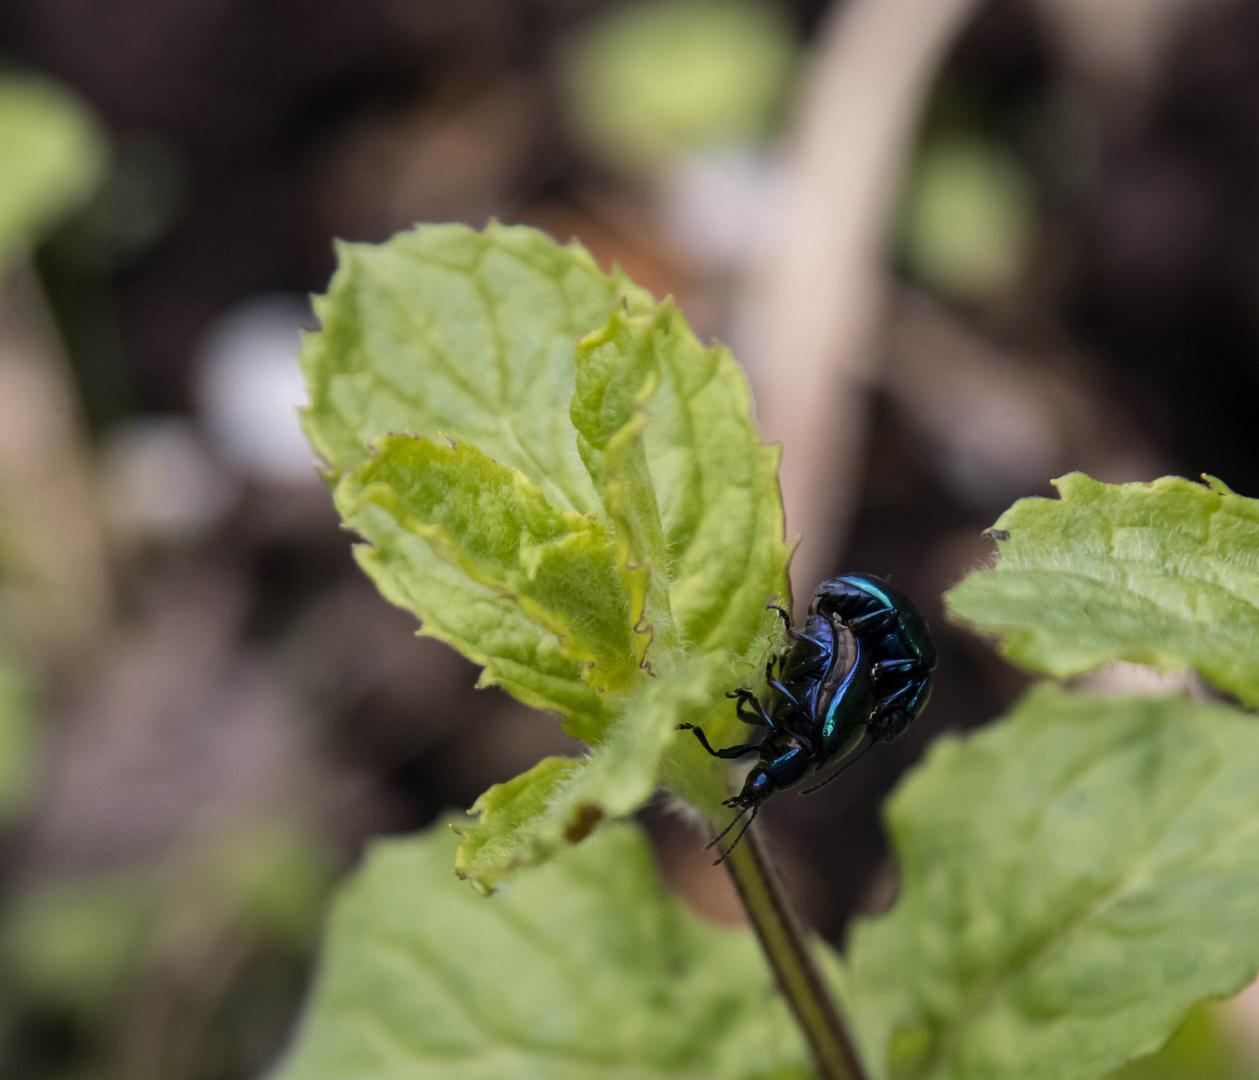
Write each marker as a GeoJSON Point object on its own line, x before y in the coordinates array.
{"type": "Point", "coordinates": [1217, 485]}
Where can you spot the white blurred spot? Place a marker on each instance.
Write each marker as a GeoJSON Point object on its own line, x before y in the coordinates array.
{"type": "Point", "coordinates": [249, 388]}
{"type": "Point", "coordinates": [159, 483]}
{"type": "Point", "coordinates": [1120, 677]}
{"type": "Point", "coordinates": [718, 208]}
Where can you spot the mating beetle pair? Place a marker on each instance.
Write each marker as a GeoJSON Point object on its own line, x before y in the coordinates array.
{"type": "Point", "coordinates": [861, 666]}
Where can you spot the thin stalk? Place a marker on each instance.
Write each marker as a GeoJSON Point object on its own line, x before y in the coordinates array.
{"type": "Point", "coordinates": [780, 932]}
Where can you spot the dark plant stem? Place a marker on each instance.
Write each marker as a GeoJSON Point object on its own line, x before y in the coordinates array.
{"type": "Point", "coordinates": [783, 940]}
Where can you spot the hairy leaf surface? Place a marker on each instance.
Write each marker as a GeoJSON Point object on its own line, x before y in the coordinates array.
{"type": "Point", "coordinates": [1073, 879]}
{"type": "Point", "coordinates": [445, 329]}
{"type": "Point", "coordinates": [606, 518]}
{"type": "Point", "coordinates": [716, 482]}
{"type": "Point", "coordinates": [585, 968]}
{"type": "Point", "coordinates": [560, 800]}
{"type": "Point", "coordinates": [608, 412]}
{"type": "Point", "coordinates": [516, 654]}
{"type": "Point", "coordinates": [1164, 574]}
{"type": "Point", "coordinates": [557, 567]}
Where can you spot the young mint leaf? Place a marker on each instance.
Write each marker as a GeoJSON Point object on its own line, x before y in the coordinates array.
{"type": "Point", "coordinates": [1073, 879]}
{"type": "Point", "coordinates": [1164, 574]}
{"type": "Point", "coordinates": [585, 968]}
{"type": "Point", "coordinates": [506, 836]}
{"type": "Point", "coordinates": [557, 567]}
{"type": "Point", "coordinates": [608, 411]}
{"type": "Point", "coordinates": [560, 800]}
{"type": "Point", "coordinates": [575, 553]}
{"type": "Point", "coordinates": [444, 329]}
{"type": "Point", "coordinates": [716, 482]}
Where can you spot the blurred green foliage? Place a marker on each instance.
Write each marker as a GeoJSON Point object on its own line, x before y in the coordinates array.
{"type": "Point", "coordinates": [53, 156]}
{"type": "Point", "coordinates": [651, 82]}
{"type": "Point", "coordinates": [275, 876]}
{"type": "Point", "coordinates": [966, 217]}
{"type": "Point", "coordinates": [18, 742]}
{"type": "Point", "coordinates": [72, 944]}
{"type": "Point", "coordinates": [145, 971]}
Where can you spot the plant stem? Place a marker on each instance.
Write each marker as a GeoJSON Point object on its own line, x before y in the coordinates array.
{"type": "Point", "coordinates": [779, 929]}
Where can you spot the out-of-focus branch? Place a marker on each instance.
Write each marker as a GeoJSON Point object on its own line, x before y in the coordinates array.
{"type": "Point", "coordinates": [56, 592]}
{"type": "Point", "coordinates": [809, 309]}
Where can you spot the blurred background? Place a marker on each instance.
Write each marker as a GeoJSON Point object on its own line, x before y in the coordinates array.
{"type": "Point", "coordinates": [961, 248]}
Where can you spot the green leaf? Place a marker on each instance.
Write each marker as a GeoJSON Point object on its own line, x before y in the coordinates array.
{"type": "Point", "coordinates": [52, 157]}
{"type": "Point", "coordinates": [585, 968]}
{"type": "Point", "coordinates": [1164, 574]}
{"type": "Point", "coordinates": [516, 654]}
{"type": "Point", "coordinates": [716, 482]}
{"type": "Point", "coordinates": [1073, 879]}
{"type": "Point", "coordinates": [608, 411]}
{"type": "Point", "coordinates": [574, 553]}
{"type": "Point", "coordinates": [505, 838]}
{"type": "Point", "coordinates": [561, 800]}
{"type": "Point", "coordinates": [444, 329]}
{"type": "Point", "coordinates": [557, 567]}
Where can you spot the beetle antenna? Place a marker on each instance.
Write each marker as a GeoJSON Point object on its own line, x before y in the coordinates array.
{"type": "Point", "coordinates": [716, 839]}
{"type": "Point", "coordinates": [845, 765]}
{"type": "Point", "coordinates": [726, 854]}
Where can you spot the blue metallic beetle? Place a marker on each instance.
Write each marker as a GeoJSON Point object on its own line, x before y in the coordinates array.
{"type": "Point", "coordinates": [861, 666]}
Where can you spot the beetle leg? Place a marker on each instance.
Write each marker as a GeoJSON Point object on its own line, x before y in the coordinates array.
{"type": "Point", "coordinates": [783, 614]}
{"type": "Point", "coordinates": [874, 620]}
{"type": "Point", "coordinates": [817, 643]}
{"type": "Point", "coordinates": [891, 698]}
{"type": "Point", "coordinates": [883, 668]}
{"type": "Point", "coordinates": [774, 684]}
{"type": "Point", "coordinates": [728, 752]}
{"type": "Point", "coordinates": [744, 697]}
